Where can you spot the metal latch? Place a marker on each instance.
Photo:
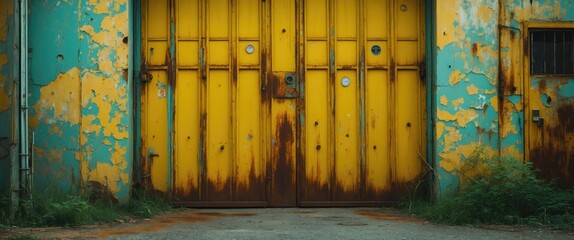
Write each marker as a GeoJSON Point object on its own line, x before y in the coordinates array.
{"type": "Point", "coordinates": [536, 118]}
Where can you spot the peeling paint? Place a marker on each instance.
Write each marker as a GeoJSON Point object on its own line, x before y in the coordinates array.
{"type": "Point", "coordinates": [60, 100]}
{"type": "Point", "coordinates": [82, 95]}
{"type": "Point", "coordinates": [480, 51]}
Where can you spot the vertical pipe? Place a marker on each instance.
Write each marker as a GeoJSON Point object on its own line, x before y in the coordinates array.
{"type": "Point", "coordinates": [23, 93]}
{"type": "Point", "coordinates": [136, 53]}
{"type": "Point", "coordinates": [14, 138]}
{"type": "Point", "coordinates": [430, 20]}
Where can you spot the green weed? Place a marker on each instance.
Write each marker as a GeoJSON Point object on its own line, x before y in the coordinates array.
{"type": "Point", "coordinates": [56, 208]}
{"type": "Point", "coordinates": [501, 191]}
{"type": "Point", "coordinates": [145, 205]}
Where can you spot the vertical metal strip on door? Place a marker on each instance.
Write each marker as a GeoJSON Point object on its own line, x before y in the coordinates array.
{"type": "Point", "coordinates": [284, 84]}
{"type": "Point", "coordinates": [377, 95]}
{"type": "Point", "coordinates": [155, 136]}
{"type": "Point", "coordinates": [187, 100]}
{"type": "Point", "coordinates": [409, 96]}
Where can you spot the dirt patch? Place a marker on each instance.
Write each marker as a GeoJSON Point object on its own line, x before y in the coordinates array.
{"type": "Point", "coordinates": [110, 230]}
{"type": "Point", "coordinates": [389, 216]}
{"type": "Point", "coordinates": [219, 214]}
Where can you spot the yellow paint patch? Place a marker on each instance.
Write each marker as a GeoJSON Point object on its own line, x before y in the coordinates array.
{"type": "Point", "coordinates": [451, 157]}
{"type": "Point", "coordinates": [443, 100]}
{"type": "Point", "coordinates": [489, 92]}
{"type": "Point", "coordinates": [33, 122]}
{"type": "Point", "coordinates": [111, 176]}
{"type": "Point", "coordinates": [60, 100]}
{"type": "Point", "coordinates": [547, 10]}
{"type": "Point", "coordinates": [105, 94]}
{"type": "Point", "coordinates": [472, 90]}
{"type": "Point", "coordinates": [455, 77]}
{"type": "Point", "coordinates": [439, 129]}
{"type": "Point", "coordinates": [100, 6]}
{"type": "Point", "coordinates": [4, 93]}
{"type": "Point", "coordinates": [462, 117]}
{"type": "Point", "coordinates": [512, 152]}
{"type": "Point", "coordinates": [451, 137]}
{"type": "Point", "coordinates": [458, 102]}
{"type": "Point", "coordinates": [494, 103]}
{"type": "Point", "coordinates": [6, 11]}
{"type": "Point", "coordinates": [445, 24]}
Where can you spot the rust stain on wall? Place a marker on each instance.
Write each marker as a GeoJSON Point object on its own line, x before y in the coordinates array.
{"type": "Point", "coordinates": [4, 88]}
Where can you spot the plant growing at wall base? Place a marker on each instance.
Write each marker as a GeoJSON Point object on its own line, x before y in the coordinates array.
{"type": "Point", "coordinates": [503, 191]}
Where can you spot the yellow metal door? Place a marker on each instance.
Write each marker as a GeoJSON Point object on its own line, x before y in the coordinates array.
{"type": "Point", "coordinates": [282, 103]}
{"type": "Point", "coordinates": [202, 108]}
{"type": "Point", "coordinates": [362, 102]}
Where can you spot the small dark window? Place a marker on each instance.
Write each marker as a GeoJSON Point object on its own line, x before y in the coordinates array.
{"type": "Point", "coordinates": [552, 51]}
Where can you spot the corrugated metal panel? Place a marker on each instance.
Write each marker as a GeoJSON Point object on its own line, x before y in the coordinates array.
{"type": "Point", "coordinates": [284, 103]}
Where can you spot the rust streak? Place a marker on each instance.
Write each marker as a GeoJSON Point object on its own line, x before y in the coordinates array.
{"type": "Point", "coordinates": [283, 189]}
{"type": "Point", "coordinates": [393, 216]}
{"type": "Point", "coordinates": [474, 49]}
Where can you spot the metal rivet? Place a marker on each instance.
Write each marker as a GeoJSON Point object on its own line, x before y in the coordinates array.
{"type": "Point", "coordinates": [222, 147]}
{"type": "Point", "coordinates": [404, 7]}
{"type": "Point", "coordinates": [376, 50]}
{"type": "Point", "coordinates": [375, 147]}
{"type": "Point", "coordinates": [249, 49]}
{"type": "Point", "coordinates": [318, 147]}
{"type": "Point", "coordinates": [408, 124]}
{"type": "Point", "coordinates": [345, 81]}
{"type": "Point", "coordinates": [316, 123]}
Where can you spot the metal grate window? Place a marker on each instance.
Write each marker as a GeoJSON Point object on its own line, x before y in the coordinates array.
{"type": "Point", "coordinates": [552, 51]}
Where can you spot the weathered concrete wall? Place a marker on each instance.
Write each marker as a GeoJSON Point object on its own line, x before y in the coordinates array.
{"type": "Point", "coordinates": [80, 95]}
{"type": "Point", "coordinates": [466, 85]}
{"type": "Point", "coordinates": [7, 90]}
{"type": "Point", "coordinates": [480, 79]}
{"type": "Point", "coordinates": [550, 146]}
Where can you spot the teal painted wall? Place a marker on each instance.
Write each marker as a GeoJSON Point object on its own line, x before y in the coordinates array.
{"type": "Point", "coordinates": [80, 96]}
{"type": "Point", "coordinates": [8, 62]}
{"type": "Point", "coordinates": [481, 87]}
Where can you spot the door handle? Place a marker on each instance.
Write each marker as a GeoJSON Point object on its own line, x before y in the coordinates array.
{"type": "Point", "coordinates": [144, 74]}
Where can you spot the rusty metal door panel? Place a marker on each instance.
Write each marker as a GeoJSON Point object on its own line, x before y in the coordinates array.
{"type": "Point", "coordinates": [363, 102]}
{"type": "Point", "coordinates": [551, 137]}
{"type": "Point", "coordinates": [213, 51]}
{"type": "Point", "coordinates": [283, 105]}
{"type": "Point", "coordinates": [549, 111]}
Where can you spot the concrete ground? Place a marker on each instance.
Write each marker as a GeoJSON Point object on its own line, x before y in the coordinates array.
{"type": "Point", "coordinates": [290, 223]}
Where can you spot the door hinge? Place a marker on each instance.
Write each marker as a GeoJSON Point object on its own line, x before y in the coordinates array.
{"type": "Point", "coordinates": [422, 71]}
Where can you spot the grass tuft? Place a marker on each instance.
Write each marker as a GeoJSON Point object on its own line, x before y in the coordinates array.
{"type": "Point", "coordinates": [500, 191]}
{"type": "Point", "coordinates": [55, 208]}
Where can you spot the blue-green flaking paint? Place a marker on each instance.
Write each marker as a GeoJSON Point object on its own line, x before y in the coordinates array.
{"type": "Point", "coordinates": [57, 46]}
{"type": "Point", "coordinates": [567, 90]}
{"type": "Point", "coordinates": [503, 109]}
{"type": "Point", "coordinates": [477, 72]}
{"type": "Point", "coordinates": [7, 71]}
{"type": "Point", "coordinates": [54, 46]}
{"type": "Point", "coordinates": [95, 150]}
{"type": "Point", "coordinates": [171, 106]}
{"type": "Point", "coordinates": [136, 59]}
